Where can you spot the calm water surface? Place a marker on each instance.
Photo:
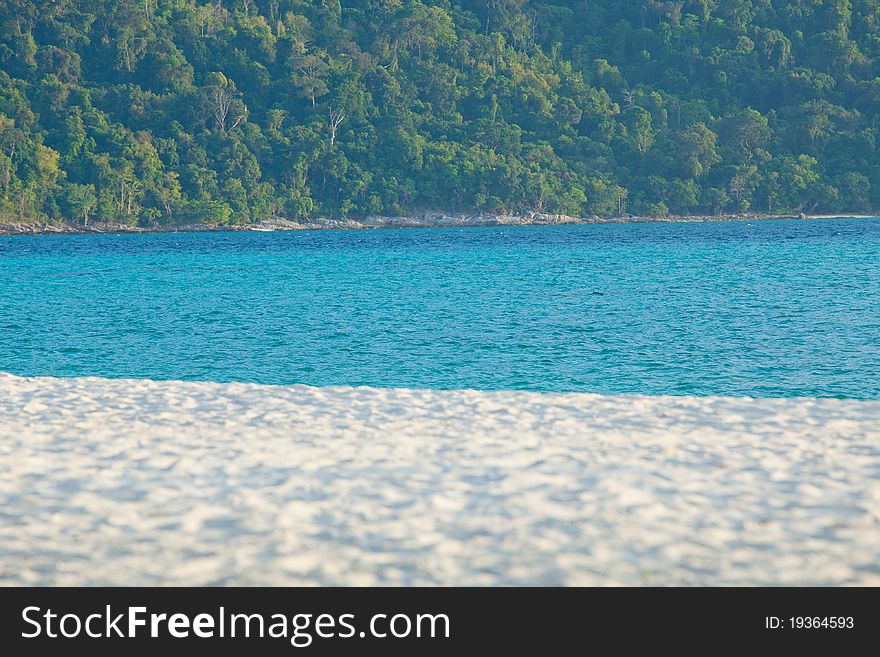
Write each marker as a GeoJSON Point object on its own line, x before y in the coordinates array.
{"type": "Point", "coordinates": [775, 308]}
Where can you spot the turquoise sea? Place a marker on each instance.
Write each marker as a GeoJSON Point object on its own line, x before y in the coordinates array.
{"type": "Point", "coordinates": [770, 308]}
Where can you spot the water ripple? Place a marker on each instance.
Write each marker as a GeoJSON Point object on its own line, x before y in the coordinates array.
{"type": "Point", "coordinates": [779, 308]}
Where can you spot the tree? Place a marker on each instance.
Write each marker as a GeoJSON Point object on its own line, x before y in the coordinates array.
{"type": "Point", "coordinates": [744, 132]}
{"type": "Point", "coordinates": [424, 29]}
{"type": "Point", "coordinates": [641, 130]}
{"type": "Point", "coordinates": [9, 141]}
{"type": "Point", "coordinates": [798, 177]}
{"type": "Point", "coordinates": [697, 152]}
{"type": "Point", "coordinates": [309, 75]}
{"type": "Point", "coordinates": [224, 103]}
{"type": "Point", "coordinates": [743, 184]}
{"type": "Point", "coordinates": [857, 190]}
{"type": "Point", "coordinates": [334, 120]}
{"type": "Point", "coordinates": [80, 201]}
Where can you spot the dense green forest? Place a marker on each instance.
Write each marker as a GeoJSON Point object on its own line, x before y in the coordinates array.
{"type": "Point", "coordinates": [157, 112]}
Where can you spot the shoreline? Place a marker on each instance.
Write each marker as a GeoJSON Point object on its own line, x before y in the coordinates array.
{"type": "Point", "coordinates": [423, 220]}
{"type": "Point", "coordinates": [198, 484]}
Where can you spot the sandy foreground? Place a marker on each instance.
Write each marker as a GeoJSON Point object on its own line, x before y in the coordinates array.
{"type": "Point", "coordinates": [141, 482]}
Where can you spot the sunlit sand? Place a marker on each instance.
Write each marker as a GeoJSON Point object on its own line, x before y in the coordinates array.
{"type": "Point", "coordinates": [140, 482]}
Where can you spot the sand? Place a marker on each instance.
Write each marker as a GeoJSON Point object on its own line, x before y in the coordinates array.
{"type": "Point", "coordinates": [107, 482]}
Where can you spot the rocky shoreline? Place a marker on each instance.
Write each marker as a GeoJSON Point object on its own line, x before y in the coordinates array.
{"type": "Point", "coordinates": [423, 220]}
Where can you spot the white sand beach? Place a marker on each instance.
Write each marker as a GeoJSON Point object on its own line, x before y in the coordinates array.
{"type": "Point", "coordinates": [161, 483]}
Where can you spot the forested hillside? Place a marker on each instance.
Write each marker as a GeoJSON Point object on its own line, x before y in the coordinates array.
{"type": "Point", "coordinates": [156, 112]}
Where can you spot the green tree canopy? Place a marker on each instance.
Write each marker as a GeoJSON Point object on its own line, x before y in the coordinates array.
{"type": "Point", "coordinates": [232, 111]}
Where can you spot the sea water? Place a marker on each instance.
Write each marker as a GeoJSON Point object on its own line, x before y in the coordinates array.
{"type": "Point", "coordinates": [764, 308]}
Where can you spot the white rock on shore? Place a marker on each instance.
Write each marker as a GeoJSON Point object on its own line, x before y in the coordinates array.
{"type": "Point", "coordinates": [140, 482]}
